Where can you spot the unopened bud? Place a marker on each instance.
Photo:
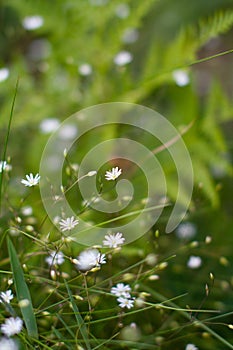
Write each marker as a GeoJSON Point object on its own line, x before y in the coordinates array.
{"type": "Point", "coordinates": [92, 173]}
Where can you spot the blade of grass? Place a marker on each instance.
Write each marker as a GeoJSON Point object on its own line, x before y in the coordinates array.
{"type": "Point", "coordinates": [79, 319]}
{"type": "Point", "coordinates": [22, 292]}
{"type": "Point", "coordinates": [7, 139]}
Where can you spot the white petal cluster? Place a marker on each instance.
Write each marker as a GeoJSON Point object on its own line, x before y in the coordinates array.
{"type": "Point", "coordinates": [85, 69]}
{"type": "Point", "coordinates": [186, 230]}
{"type": "Point", "coordinates": [68, 224]}
{"type": "Point", "coordinates": [55, 258]}
{"type": "Point", "coordinates": [2, 166]}
{"type": "Point", "coordinates": [8, 344]}
{"type": "Point", "coordinates": [31, 180]}
{"type": "Point", "coordinates": [33, 22]}
{"type": "Point", "coordinates": [6, 296]}
{"type": "Point", "coordinates": [113, 240]}
{"type": "Point", "coordinates": [12, 326]}
{"type": "Point", "coordinates": [181, 77]}
{"type": "Point", "coordinates": [124, 302]}
{"type": "Point", "coordinates": [89, 259]}
{"type": "Point", "coordinates": [113, 174]}
{"type": "Point", "coordinates": [191, 347]}
{"type": "Point", "coordinates": [194, 262]}
{"type": "Point", "coordinates": [123, 58]}
{"type": "Point", "coordinates": [122, 291]}
{"type": "Point", "coordinates": [4, 74]}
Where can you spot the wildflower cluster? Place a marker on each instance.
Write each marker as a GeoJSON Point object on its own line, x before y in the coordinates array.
{"type": "Point", "coordinates": [122, 292]}
{"type": "Point", "coordinates": [11, 326]}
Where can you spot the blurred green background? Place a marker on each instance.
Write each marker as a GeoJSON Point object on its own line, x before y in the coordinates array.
{"type": "Point", "coordinates": [66, 57]}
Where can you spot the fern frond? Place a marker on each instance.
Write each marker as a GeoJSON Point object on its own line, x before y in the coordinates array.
{"type": "Point", "coordinates": [219, 23]}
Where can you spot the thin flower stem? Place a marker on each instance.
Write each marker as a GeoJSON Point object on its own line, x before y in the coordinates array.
{"type": "Point", "coordinates": [7, 139]}
{"type": "Point", "coordinates": [87, 293]}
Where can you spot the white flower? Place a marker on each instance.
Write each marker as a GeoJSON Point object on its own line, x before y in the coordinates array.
{"type": "Point", "coordinates": [121, 290]}
{"type": "Point", "coordinates": [33, 22]}
{"type": "Point", "coordinates": [194, 262]}
{"type": "Point", "coordinates": [49, 125]}
{"type": "Point", "coordinates": [6, 296]}
{"type": "Point", "coordinates": [181, 77]}
{"type": "Point", "coordinates": [27, 210]}
{"type": "Point", "coordinates": [12, 326]}
{"type": "Point", "coordinates": [31, 180]}
{"type": "Point", "coordinates": [113, 240]}
{"type": "Point", "coordinates": [55, 258]}
{"type": "Point", "coordinates": [85, 69]}
{"type": "Point", "coordinates": [113, 174]}
{"type": "Point", "coordinates": [8, 344]}
{"type": "Point", "coordinates": [3, 166]}
{"type": "Point", "coordinates": [123, 58]}
{"type": "Point", "coordinates": [4, 74]}
{"type": "Point", "coordinates": [186, 230]}
{"type": "Point", "coordinates": [122, 11]}
{"type": "Point", "coordinates": [89, 259]}
{"type": "Point", "coordinates": [124, 302]}
{"type": "Point", "coordinates": [68, 224]}
{"type": "Point", "coordinates": [191, 347]}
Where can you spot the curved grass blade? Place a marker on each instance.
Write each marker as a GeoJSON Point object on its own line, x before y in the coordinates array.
{"type": "Point", "coordinates": [22, 292]}
{"type": "Point", "coordinates": [7, 139]}
{"type": "Point", "coordinates": [79, 319]}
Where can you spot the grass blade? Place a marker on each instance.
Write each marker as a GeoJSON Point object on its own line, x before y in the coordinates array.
{"type": "Point", "coordinates": [7, 139]}
{"type": "Point", "coordinates": [22, 292]}
{"type": "Point", "coordinates": [79, 319]}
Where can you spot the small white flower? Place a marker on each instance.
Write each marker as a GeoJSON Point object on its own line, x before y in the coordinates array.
{"type": "Point", "coordinates": [68, 224]}
{"type": "Point", "coordinates": [186, 230]}
{"type": "Point", "coordinates": [121, 290]}
{"type": "Point", "coordinates": [85, 69]}
{"type": "Point", "coordinates": [181, 77]}
{"type": "Point", "coordinates": [33, 22]}
{"type": "Point", "coordinates": [123, 58]}
{"type": "Point", "coordinates": [55, 258]}
{"type": "Point", "coordinates": [124, 302]}
{"type": "Point", "coordinates": [191, 347]}
{"type": "Point", "coordinates": [31, 180]}
{"type": "Point", "coordinates": [27, 210]}
{"type": "Point", "coordinates": [6, 296]}
{"type": "Point", "coordinates": [49, 125]}
{"type": "Point", "coordinates": [4, 74]}
{"type": "Point", "coordinates": [113, 240]}
{"type": "Point", "coordinates": [8, 344]}
{"type": "Point", "coordinates": [12, 326]}
{"type": "Point", "coordinates": [113, 174]}
{"type": "Point", "coordinates": [3, 166]}
{"type": "Point", "coordinates": [194, 262]}
{"type": "Point", "coordinates": [122, 11]}
{"type": "Point", "coordinates": [89, 259]}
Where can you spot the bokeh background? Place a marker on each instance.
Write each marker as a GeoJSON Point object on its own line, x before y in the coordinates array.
{"type": "Point", "coordinates": [69, 55]}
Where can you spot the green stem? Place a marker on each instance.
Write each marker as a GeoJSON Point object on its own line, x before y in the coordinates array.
{"type": "Point", "coordinates": [7, 139]}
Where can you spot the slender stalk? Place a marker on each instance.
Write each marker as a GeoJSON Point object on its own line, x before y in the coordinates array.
{"type": "Point", "coordinates": [7, 139]}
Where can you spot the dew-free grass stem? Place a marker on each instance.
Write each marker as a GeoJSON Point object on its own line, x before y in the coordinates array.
{"type": "Point", "coordinates": [7, 139]}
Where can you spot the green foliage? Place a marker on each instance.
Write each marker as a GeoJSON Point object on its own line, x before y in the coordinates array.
{"type": "Point", "coordinates": [171, 310]}
{"type": "Point", "coordinates": [22, 292]}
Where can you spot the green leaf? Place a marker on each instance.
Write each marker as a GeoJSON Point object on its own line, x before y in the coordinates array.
{"type": "Point", "coordinates": [79, 319]}
{"type": "Point", "coordinates": [22, 292]}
